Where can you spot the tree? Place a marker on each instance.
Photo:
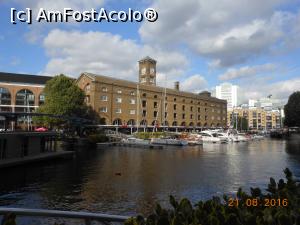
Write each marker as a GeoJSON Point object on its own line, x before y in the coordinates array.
{"type": "Point", "coordinates": [63, 97]}
{"type": "Point", "coordinates": [242, 123]}
{"type": "Point", "coordinates": [292, 110]}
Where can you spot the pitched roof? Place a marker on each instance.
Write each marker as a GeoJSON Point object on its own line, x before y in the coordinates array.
{"type": "Point", "coordinates": [23, 78]}
{"type": "Point", "coordinates": [147, 58]}
{"type": "Point", "coordinates": [131, 84]}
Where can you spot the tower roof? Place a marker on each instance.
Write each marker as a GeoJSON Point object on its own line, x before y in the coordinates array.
{"type": "Point", "coordinates": [147, 58]}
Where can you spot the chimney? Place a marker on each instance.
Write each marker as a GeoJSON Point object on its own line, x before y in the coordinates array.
{"type": "Point", "coordinates": [176, 85]}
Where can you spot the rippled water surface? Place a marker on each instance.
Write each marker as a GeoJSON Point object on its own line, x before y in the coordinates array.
{"type": "Point", "coordinates": [127, 181]}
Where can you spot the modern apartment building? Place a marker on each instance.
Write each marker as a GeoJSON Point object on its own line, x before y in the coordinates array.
{"type": "Point", "coordinates": [229, 93]}
{"type": "Point", "coordinates": [126, 103]}
{"type": "Point", "coordinates": [21, 92]}
{"type": "Point", "coordinates": [258, 118]}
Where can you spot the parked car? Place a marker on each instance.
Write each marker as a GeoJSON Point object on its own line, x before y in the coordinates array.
{"type": "Point", "coordinates": [41, 129]}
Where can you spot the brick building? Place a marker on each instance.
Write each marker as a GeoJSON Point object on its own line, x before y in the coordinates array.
{"type": "Point", "coordinates": [121, 102]}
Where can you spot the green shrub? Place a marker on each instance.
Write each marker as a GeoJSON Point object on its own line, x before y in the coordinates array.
{"type": "Point", "coordinates": [217, 211]}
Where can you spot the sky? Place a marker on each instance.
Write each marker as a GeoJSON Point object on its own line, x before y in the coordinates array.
{"type": "Point", "coordinates": [250, 43]}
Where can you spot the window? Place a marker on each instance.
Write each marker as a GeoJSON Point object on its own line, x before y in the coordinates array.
{"type": "Point", "coordinates": [166, 114]}
{"type": "Point", "coordinates": [104, 89]}
{"type": "Point", "coordinates": [191, 108]}
{"type": "Point", "coordinates": [103, 109]}
{"type": "Point", "coordinates": [212, 117]}
{"type": "Point", "coordinates": [175, 115]}
{"type": "Point", "coordinates": [155, 105]}
{"type": "Point", "coordinates": [87, 99]}
{"type": "Point", "coordinates": [119, 91]}
{"type": "Point", "coordinates": [198, 109]}
{"type": "Point", "coordinates": [119, 100]}
{"type": "Point", "coordinates": [144, 113]}
{"type": "Point", "coordinates": [175, 99]}
{"type": "Point", "coordinates": [192, 102]}
{"type": "Point", "coordinates": [143, 80]}
{"type": "Point", "coordinates": [144, 95]}
{"type": "Point", "coordinates": [41, 99]}
{"type": "Point", "coordinates": [143, 71]}
{"type": "Point", "coordinates": [118, 110]}
{"type": "Point", "coordinates": [144, 103]}
{"type": "Point", "coordinates": [132, 101]}
{"type": "Point", "coordinates": [199, 117]}
{"type": "Point", "coordinates": [132, 93]}
{"type": "Point", "coordinates": [155, 114]}
{"type": "Point", "coordinates": [103, 98]}
{"type": "Point", "coordinates": [191, 116]}
{"type": "Point", "coordinates": [155, 96]}
{"type": "Point", "coordinates": [132, 112]}
{"type": "Point", "coordinates": [175, 106]}
{"type": "Point", "coordinates": [87, 87]}
{"type": "Point", "coordinates": [183, 116]}
{"type": "Point", "coordinates": [183, 107]}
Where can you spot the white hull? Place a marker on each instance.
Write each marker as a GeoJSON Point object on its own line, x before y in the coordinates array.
{"type": "Point", "coordinates": [168, 141]}
{"type": "Point", "coordinates": [136, 141]}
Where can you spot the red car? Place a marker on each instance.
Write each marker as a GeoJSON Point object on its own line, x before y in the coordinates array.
{"type": "Point", "coordinates": [41, 129]}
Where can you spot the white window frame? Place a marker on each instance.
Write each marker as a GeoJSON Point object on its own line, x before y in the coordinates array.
{"type": "Point", "coordinates": [118, 100]}
{"type": "Point", "coordinates": [132, 101]}
{"type": "Point", "coordinates": [118, 110]}
{"type": "Point", "coordinates": [104, 99]}
{"type": "Point", "coordinates": [105, 109]}
{"type": "Point", "coordinates": [132, 111]}
{"type": "Point", "coordinates": [104, 89]}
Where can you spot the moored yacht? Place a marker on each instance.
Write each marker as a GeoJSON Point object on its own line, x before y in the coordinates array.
{"type": "Point", "coordinates": [213, 137]}
{"type": "Point", "coordinates": [168, 141]}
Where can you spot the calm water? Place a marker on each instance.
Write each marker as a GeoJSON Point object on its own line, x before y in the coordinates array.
{"type": "Point", "coordinates": [89, 181]}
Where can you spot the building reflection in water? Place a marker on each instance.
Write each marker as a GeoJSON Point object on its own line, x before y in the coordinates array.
{"type": "Point", "coordinates": [129, 181]}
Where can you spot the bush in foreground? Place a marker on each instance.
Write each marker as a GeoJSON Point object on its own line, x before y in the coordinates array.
{"type": "Point", "coordinates": [279, 206]}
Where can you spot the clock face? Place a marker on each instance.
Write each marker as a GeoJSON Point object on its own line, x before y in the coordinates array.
{"type": "Point", "coordinates": [143, 71]}
{"type": "Point", "coordinates": [152, 70]}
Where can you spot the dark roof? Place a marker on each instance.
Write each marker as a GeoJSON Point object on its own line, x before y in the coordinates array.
{"type": "Point", "coordinates": [23, 78]}
{"type": "Point", "coordinates": [147, 58]}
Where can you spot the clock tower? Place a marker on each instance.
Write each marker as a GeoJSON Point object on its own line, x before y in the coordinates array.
{"type": "Point", "coordinates": [147, 71]}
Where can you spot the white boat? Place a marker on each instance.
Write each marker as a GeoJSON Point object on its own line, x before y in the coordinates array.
{"type": "Point", "coordinates": [213, 137]}
{"type": "Point", "coordinates": [132, 140]}
{"type": "Point", "coordinates": [168, 141]}
{"type": "Point", "coordinates": [242, 138]}
{"type": "Point", "coordinates": [258, 137]}
{"type": "Point", "coordinates": [229, 136]}
{"type": "Point", "coordinates": [194, 139]}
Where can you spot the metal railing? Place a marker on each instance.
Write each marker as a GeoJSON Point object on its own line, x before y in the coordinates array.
{"type": "Point", "coordinates": [85, 216]}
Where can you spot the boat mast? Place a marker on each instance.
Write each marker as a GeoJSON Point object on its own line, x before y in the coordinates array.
{"type": "Point", "coordinates": [164, 105]}
{"type": "Point", "coordinates": [137, 108]}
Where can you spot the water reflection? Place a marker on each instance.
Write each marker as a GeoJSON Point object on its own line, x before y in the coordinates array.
{"type": "Point", "coordinates": [128, 181]}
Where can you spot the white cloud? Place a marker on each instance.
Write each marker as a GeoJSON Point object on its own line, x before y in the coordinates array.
{"type": "Point", "coordinates": [260, 89]}
{"type": "Point", "coordinates": [246, 71]}
{"type": "Point", "coordinates": [37, 31]}
{"type": "Point", "coordinates": [226, 32]}
{"type": "Point", "coordinates": [73, 52]}
{"type": "Point", "coordinates": [59, 5]}
{"type": "Point", "coordinates": [195, 83]}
